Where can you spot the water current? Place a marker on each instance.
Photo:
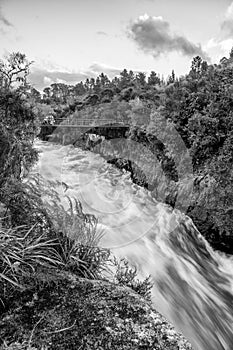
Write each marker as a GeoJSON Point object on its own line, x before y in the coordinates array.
{"type": "Point", "coordinates": [193, 285]}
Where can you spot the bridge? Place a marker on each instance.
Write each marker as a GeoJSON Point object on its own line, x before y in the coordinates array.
{"type": "Point", "coordinates": [86, 123]}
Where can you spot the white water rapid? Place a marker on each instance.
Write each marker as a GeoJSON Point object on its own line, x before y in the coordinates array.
{"type": "Point", "coordinates": [193, 285]}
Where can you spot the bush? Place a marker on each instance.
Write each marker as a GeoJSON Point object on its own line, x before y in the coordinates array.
{"type": "Point", "coordinates": [126, 276]}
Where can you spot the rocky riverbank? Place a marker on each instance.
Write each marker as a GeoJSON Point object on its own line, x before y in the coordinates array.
{"type": "Point", "coordinates": [75, 313]}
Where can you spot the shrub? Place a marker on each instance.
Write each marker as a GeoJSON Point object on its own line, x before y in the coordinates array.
{"type": "Point", "coordinates": [126, 276]}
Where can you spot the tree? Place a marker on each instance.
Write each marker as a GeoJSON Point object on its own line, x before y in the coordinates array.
{"type": "Point", "coordinates": [141, 79]}
{"type": "Point", "coordinates": [104, 80]}
{"type": "Point", "coordinates": [231, 53]}
{"type": "Point", "coordinates": [60, 92]}
{"type": "Point", "coordinates": [14, 69]}
{"type": "Point", "coordinates": [35, 95]}
{"type": "Point", "coordinates": [97, 86]}
{"type": "Point", "coordinates": [204, 67]}
{"type": "Point", "coordinates": [196, 66]}
{"type": "Point", "coordinates": [87, 84]}
{"type": "Point", "coordinates": [92, 83]}
{"type": "Point", "coordinates": [79, 89]}
{"type": "Point", "coordinates": [18, 122]}
{"type": "Point", "coordinates": [125, 79]}
{"type": "Point", "coordinates": [131, 76]}
{"type": "Point", "coordinates": [153, 79]}
{"type": "Point", "coordinates": [47, 93]}
{"type": "Point", "coordinates": [171, 78]}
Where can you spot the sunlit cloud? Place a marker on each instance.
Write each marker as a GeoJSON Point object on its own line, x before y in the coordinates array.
{"type": "Point", "coordinates": [154, 36]}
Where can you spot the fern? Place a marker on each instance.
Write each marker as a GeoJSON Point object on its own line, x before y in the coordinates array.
{"type": "Point", "coordinates": [75, 231]}
{"type": "Point", "coordinates": [127, 276]}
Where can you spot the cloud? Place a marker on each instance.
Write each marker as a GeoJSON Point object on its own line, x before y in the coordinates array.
{"type": "Point", "coordinates": [221, 45]}
{"type": "Point", "coordinates": [42, 77]}
{"type": "Point", "coordinates": [3, 19]}
{"type": "Point", "coordinates": [98, 68]}
{"type": "Point", "coordinates": [100, 32]}
{"type": "Point", "coordinates": [153, 36]}
{"type": "Point", "coordinates": [227, 23]}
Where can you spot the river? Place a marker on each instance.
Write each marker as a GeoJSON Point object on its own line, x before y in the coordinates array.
{"type": "Point", "coordinates": [193, 285]}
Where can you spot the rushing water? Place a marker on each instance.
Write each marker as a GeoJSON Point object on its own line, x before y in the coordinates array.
{"type": "Point", "coordinates": [193, 285]}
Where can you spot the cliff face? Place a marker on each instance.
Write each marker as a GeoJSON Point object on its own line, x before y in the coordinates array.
{"type": "Point", "coordinates": [71, 313]}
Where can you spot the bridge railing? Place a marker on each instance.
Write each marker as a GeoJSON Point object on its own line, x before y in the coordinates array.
{"type": "Point", "coordinates": [85, 122]}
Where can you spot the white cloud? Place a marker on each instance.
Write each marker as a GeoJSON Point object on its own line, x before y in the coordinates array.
{"type": "Point", "coordinates": [221, 45]}
{"type": "Point", "coordinates": [97, 68]}
{"type": "Point", "coordinates": [52, 73]}
{"type": "Point", "coordinates": [47, 81]}
{"type": "Point", "coordinates": [227, 23]}
{"type": "Point", "coordinates": [153, 36]}
{"type": "Point", "coordinates": [229, 12]}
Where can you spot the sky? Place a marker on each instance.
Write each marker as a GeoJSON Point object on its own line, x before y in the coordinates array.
{"type": "Point", "coordinates": [70, 40]}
